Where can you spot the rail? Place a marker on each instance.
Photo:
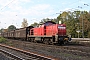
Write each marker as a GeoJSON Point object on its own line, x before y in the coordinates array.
{"type": "Point", "coordinates": [11, 55]}
{"type": "Point", "coordinates": [42, 57]}
{"type": "Point", "coordinates": [80, 38]}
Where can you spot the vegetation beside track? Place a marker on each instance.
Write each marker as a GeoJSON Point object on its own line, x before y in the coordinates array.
{"type": "Point", "coordinates": [2, 40]}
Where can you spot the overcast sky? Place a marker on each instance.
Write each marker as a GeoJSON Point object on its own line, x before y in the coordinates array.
{"type": "Point", "coordinates": [12, 12]}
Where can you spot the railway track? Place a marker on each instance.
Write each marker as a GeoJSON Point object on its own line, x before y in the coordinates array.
{"type": "Point", "coordinates": [19, 54]}
{"type": "Point", "coordinates": [78, 51]}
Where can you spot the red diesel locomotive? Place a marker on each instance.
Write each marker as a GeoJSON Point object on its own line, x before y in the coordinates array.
{"type": "Point", "coordinates": [48, 33]}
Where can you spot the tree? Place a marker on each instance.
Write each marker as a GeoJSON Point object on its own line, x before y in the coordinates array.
{"type": "Point", "coordinates": [62, 17]}
{"type": "Point", "coordinates": [11, 27]}
{"type": "Point", "coordinates": [73, 21]}
{"type": "Point", "coordinates": [1, 30]}
{"type": "Point", "coordinates": [70, 19]}
{"type": "Point", "coordinates": [84, 22]}
{"type": "Point", "coordinates": [45, 20]}
{"type": "Point", "coordinates": [35, 24]}
{"type": "Point", "coordinates": [24, 23]}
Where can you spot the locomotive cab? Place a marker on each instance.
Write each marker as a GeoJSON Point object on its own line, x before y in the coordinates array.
{"type": "Point", "coordinates": [57, 32]}
{"type": "Point", "coordinates": [62, 37]}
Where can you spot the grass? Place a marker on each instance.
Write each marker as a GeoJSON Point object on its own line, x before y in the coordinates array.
{"type": "Point", "coordinates": [5, 41]}
{"type": "Point", "coordinates": [2, 40]}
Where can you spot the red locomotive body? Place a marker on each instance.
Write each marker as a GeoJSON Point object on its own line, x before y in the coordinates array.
{"type": "Point", "coordinates": [56, 29]}
{"type": "Point", "coordinates": [50, 29]}
{"type": "Point", "coordinates": [38, 31]}
{"type": "Point", "coordinates": [61, 29]}
{"type": "Point", "coordinates": [49, 33]}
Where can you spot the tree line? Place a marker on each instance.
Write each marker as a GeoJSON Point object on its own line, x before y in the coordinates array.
{"type": "Point", "coordinates": [77, 23]}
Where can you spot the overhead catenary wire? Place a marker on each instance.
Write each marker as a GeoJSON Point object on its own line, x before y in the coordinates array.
{"type": "Point", "coordinates": [7, 4]}
{"type": "Point", "coordinates": [75, 8]}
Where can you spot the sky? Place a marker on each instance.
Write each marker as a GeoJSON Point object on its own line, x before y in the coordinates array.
{"type": "Point", "coordinates": [12, 12]}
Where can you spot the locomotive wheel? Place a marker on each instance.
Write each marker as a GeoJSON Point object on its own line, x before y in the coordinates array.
{"type": "Point", "coordinates": [51, 42]}
{"type": "Point", "coordinates": [66, 42]}
{"type": "Point", "coordinates": [61, 43]}
{"type": "Point", "coordinates": [46, 41]}
{"type": "Point", "coordinates": [32, 39]}
{"type": "Point", "coordinates": [35, 41]}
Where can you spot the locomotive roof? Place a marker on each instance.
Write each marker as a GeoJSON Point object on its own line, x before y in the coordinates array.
{"type": "Point", "coordinates": [50, 22]}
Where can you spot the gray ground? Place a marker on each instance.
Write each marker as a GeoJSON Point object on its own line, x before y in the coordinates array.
{"type": "Point", "coordinates": [4, 57]}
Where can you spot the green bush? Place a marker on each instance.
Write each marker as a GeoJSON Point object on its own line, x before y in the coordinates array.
{"type": "Point", "coordinates": [2, 40]}
{"type": "Point", "coordinates": [88, 34]}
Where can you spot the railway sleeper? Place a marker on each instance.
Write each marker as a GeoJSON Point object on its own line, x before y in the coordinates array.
{"type": "Point", "coordinates": [11, 55]}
